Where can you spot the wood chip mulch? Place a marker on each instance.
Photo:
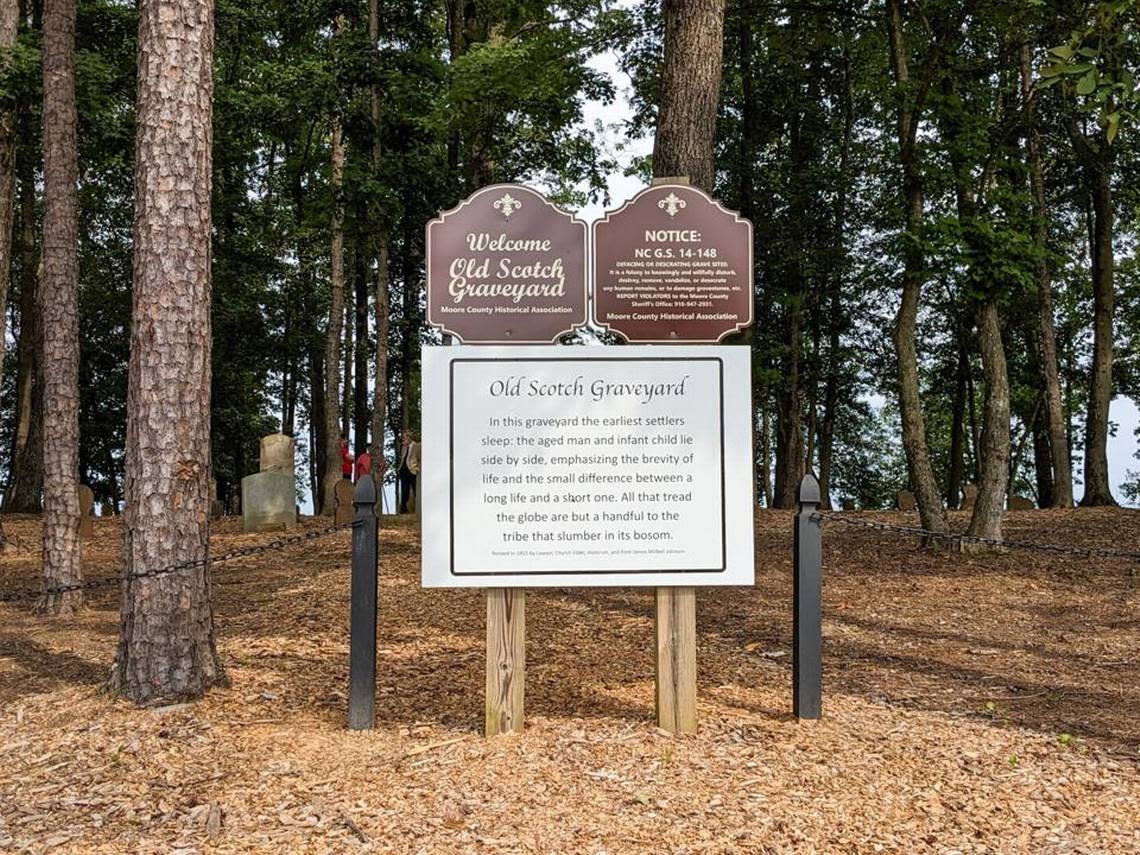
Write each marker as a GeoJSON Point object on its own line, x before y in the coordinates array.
{"type": "Point", "coordinates": [972, 704]}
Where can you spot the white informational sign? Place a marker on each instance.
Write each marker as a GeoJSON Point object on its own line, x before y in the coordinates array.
{"type": "Point", "coordinates": [587, 466]}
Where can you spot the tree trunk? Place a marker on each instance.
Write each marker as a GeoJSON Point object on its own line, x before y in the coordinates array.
{"type": "Point", "coordinates": [1097, 489]}
{"type": "Point", "coordinates": [922, 481]}
{"type": "Point", "coordinates": [360, 355]}
{"type": "Point", "coordinates": [1061, 493]}
{"type": "Point", "coordinates": [9, 25]}
{"type": "Point", "coordinates": [27, 481]}
{"type": "Point", "coordinates": [380, 394]}
{"type": "Point", "coordinates": [166, 649]}
{"type": "Point", "coordinates": [348, 359]}
{"type": "Point", "coordinates": [1043, 461]}
{"type": "Point", "coordinates": [990, 503]}
{"type": "Point", "coordinates": [331, 472]}
{"type": "Point", "coordinates": [765, 452]}
{"type": "Point", "coordinates": [957, 467]}
{"type": "Point", "coordinates": [690, 91]}
{"type": "Point", "coordinates": [59, 310]}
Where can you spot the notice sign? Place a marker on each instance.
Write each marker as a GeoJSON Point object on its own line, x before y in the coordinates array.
{"type": "Point", "coordinates": [506, 266]}
{"type": "Point", "coordinates": [578, 466]}
{"type": "Point", "coordinates": [672, 265]}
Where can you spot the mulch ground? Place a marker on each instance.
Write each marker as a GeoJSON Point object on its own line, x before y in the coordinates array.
{"type": "Point", "coordinates": [972, 704]}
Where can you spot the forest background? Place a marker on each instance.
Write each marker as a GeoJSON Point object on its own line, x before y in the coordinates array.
{"type": "Point", "coordinates": [329, 155]}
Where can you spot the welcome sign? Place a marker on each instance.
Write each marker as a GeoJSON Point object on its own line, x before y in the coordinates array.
{"type": "Point", "coordinates": [506, 266]}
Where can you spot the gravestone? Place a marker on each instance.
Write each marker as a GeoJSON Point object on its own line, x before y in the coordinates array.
{"type": "Point", "coordinates": [277, 452]}
{"type": "Point", "coordinates": [86, 513]}
{"type": "Point", "coordinates": [269, 498]}
{"type": "Point", "coordinates": [906, 500]}
{"type": "Point", "coordinates": [107, 509]}
{"type": "Point", "coordinates": [217, 507]}
{"type": "Point", "coordinates": [969, 496]}
{"type": "Point", "coordinates": [344, 510]}
{"type": "Point", "coordinates": [1020, 503]}
{"type": "Point", "coordinates": [848, 505]}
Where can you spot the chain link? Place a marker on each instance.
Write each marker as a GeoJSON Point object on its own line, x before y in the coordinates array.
{"type": "Point", "coordinates": [241, 552]}
{"type": "Point", "coordinates": [1051, 548]}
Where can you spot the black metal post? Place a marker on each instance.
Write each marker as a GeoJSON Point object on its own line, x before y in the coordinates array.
{"type": "Point", "coordinates": [807, 661]}
{"type": "Point", "coordinates": [362, 646]}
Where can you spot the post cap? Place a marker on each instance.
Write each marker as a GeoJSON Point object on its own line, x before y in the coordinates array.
{"type": "Point", "coordinates": [809, 489]}
{"type": "Point", "coordinates": [365, 492]}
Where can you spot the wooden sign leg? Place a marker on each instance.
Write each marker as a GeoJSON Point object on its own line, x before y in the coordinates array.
{"type": "Point", "coordinates": [677, 659]}
{"type": "Point", "coordinates": [506, 659]}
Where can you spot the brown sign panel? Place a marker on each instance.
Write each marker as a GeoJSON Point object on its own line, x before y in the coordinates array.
{"type": "Point", "coordinates": [671, 264]}
{"type": "Point", "coordinates": [507, 267]}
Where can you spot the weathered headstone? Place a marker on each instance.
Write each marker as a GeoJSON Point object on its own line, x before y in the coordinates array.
{"type": "Point", "coordinates": [86, 512]}
{"type": "Point", "coordinates": [906, 500]}
{"type": "Point", "coordinates": [269, 498]}
{"type": "Point", "coordinates": [277, 452]}
{"type": "Point", "coordinates": [217, 507]}
{"type": "Point", "coordinates": [344, 510]}
{"type": "Point", "coordinates": [848, 504]}
{"type": "Point", "coordinates": [1020, 503]}
{"type": "Point", "coordinates": [107, 509]}
{"type": "Point", "coordinates": [969, 496]}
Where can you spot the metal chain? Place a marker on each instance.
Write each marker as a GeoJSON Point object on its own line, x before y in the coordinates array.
{"type": "Point", "coordinates": [1052, 548]}
{"type": "Point", "coordinates": [241, 552]}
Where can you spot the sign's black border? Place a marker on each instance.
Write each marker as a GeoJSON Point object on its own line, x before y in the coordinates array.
{"type": "Point", "coordinates": [615, 572]}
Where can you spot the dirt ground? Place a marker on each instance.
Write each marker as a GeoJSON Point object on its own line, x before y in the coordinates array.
{"type": "Point", "coordinates": [972, 704]}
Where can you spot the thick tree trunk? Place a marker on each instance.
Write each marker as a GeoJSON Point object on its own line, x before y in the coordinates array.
{"type": "Point", "coordinates": [26, 487]}
{"type": "Point", "coordinates": [922, 480]}
{"type": "Point", "coordinates": [59, 310]}
{"type": "Point", "coordinates": [1098, 492]}
{"type": "Point", "coordinates": [331, 473]}
{"type": "Point", "coordinates": [166, 647]}
{"type": "Point", "coordinates": [988, 508]}
{"type": "Point", "coordinates": [690, 91]}
{"type": "Point", "coordinates": [380, 393]}
{"type": "Point", "coordinates": [1061, 494]}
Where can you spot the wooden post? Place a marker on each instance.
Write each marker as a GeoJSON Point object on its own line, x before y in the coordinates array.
{"type": "Point", "coordinates": [506, 660]}
{"type": "Point", "coordinates": [807, 654]}
{"type": "Point", "coordinates": [362, 645]}
{"type": "Point", "coordinates": [677, 659]}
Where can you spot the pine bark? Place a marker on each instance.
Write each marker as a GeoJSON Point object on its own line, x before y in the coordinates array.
{"type": "Point", "coordinates": [361, 353]}
{"type": "Point", "coordinates": [9, 25]}
{"type": "Point", "coordinates": [922, 481]}
{"type": "Point", "coordinates": [166, 648]}
{"type": "Point", "coordinates": [59, 311]}
{"type": "Point", "coordinates": [1061, 494]}
{"type": "Point", "coordinates": [690, 91]}
{"type": "Point", "coordinates": [331, 473]}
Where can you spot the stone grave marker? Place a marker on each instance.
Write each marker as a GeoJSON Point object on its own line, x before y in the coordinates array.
{"type": "Point", "coordinates": [906, 500]}
{"type": "Point", "coordinates": [343, 491]}
{"type": "Point", "coordinates": [86, 512]}
{"type": "Point", "coordinates": [1020, 503]}
{"type": "Point", "coordinates": [269, 497]}
{"type": "Point", "coordinates": [848, 504]}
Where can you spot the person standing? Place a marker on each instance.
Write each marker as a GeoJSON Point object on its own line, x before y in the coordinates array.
{"type": "Point", "coordinates": [345, 458]}
{"type": "Point", "coordinates": [408, 469]}
{"type": "Point", "coordinates": [363, 464]}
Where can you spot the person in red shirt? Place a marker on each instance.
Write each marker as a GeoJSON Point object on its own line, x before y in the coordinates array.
{"type": "Point", "coordinates": [363, 464]}
{"type": "Point", "coordinates": [345, 459]}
